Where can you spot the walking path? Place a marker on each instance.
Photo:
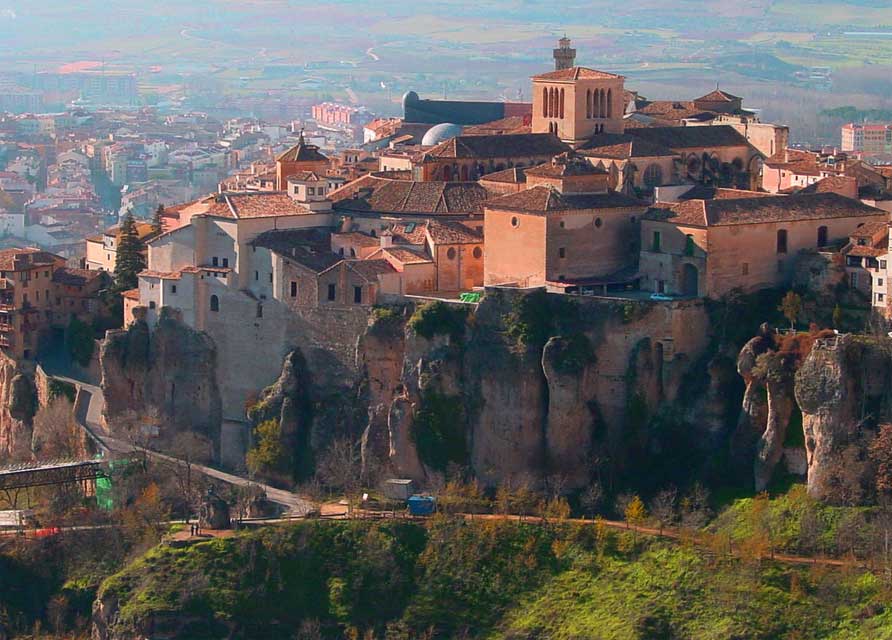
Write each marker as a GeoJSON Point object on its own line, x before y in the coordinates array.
{"type": "Point", "coordinates": [90, 417]}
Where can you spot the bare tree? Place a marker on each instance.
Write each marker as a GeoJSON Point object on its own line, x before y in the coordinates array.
{"type": "Point", "coordinates": [663, 507]}
{"type": "Point", "coordinates": [592, 498]}
{"type": "Point", "coordinates": [56, 435]}
{"type": "Point", "coordinates": [190, 449]}
{"type": "Point", "coordinates": [340, 469]}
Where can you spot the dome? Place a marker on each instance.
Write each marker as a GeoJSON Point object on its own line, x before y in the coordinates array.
{"type": "Point", "coordinates": [440, 133]}
{"type": "Point", "coordinates": [410, 97]}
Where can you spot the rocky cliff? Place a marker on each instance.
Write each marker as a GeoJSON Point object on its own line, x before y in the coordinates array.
{"type": "Point", "coordinates": [167, 377]}
{"type": "Point", "coordinates": [838, 385]}
{"type": "Point", "coordinates": [525, 386]}
{"type": "Point", "coordinates": [18, 404]}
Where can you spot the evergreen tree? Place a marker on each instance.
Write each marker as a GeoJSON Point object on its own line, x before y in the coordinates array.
{"type": "Point", "coordinates": [157, 227]}
{"type": "Point", "coordinates": [130, 260]}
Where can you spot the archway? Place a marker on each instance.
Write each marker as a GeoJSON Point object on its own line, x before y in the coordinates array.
{"type": "Point", "coordinates": [690, 280]}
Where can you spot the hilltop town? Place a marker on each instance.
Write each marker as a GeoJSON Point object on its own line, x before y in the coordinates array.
{"type": "Point", "coordinates": [569, 306]}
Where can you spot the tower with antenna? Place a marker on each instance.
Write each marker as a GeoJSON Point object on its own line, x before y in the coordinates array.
{"type": "Point", "coordinates": [564, 55]}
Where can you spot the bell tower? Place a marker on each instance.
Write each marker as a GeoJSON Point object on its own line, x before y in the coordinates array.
{"type": "Point", "coordinates": [564, 56]}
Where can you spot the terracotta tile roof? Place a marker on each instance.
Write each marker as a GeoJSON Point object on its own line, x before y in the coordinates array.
{"type": "Point", "coordinates": [703, 192]}
{"type": "Point", "coordinates": [441, 232]}
{"type": "Point", "coordinates": [283, 240]}
{"type": "Point", "coordinates": [691, 137]}
{"type": "Point", "coordinates": [302, 152]}
{"type": "Point", "coordinates": [131, 294]}
{"type": "Point", "coordinates": [719, 96]}
{"type": "Point", "coordinates": [576, 73]}
{"type": "Point", "coordinates": [370, 269]}
{"type": "Point", "coordinates": [864, 251]}
{"type": "Point", "coordinates": [253, 204]}
{"type": "Point", "coordinates": [401, 196]}
{"type": "Point", "coordinates": [817, 206]}
{"type": "Point", "coordinates": [521, 145]}
{"type": "Point", "coordinates": [511, 124]}
{"type": "Point", "coordinates": [26, 258]}
{"type": "Point", "coordinates": [409, 232]}
{"type": "Point", "coordinates": [832, 184]}
{"type": "Point", "coordinates": [515, 175]}
{"type": "Point", "coordinates": [622, 147]}
{"type": "Point", "coordinates": [675, 110]}
{"type": "Point", "coordinates": [360, 239]}
{"type": "Point", "coordinates": [402, 255]}
{"type": "Point", "coordinates": [543, 199]}
{"type": "Point", "coordinates": [305, 176]}
{"type": "Point", "coordinates": [565, 165]}
{"type": "Point", "coordinates": [77, 277]}
{"type": "Point", "coordinates": [871, 229]}
{"type": "Point", "coordinates": [164, 275]}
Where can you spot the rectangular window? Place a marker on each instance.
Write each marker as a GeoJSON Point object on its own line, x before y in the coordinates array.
{"type": "Point", "coordinates": [293, 289]}
{"type": "Point", "coordinates": [311, 191]}
{"type": "Point", "coordinates": [215, 261]}
{"type": "Point", "coordinates": [745, 269]}
{"type": "Point", "coordinates": [880, 297]}
{"type": "Point", "coordinates": [256, 275]}
{"type": "Point", "coordinates": [270, 277]}
{"type": "Point", "coordinates": [225, 262]}
{"type": "Point", "coordinates": [331, 292]}
{"type": "Point", "coordinates": [882, 265]}
{"type": "Point", "coordinates": [562, 252]}
{"type": "Point", "coordinates": [151, 304]}
{"type": "Point", "coordinates": [879, 282]}
{"type": "Point", "coordinates": [656, 242]}
{"type": "Point", "coordinates": [173, 288]}
{"type": "Point", "coordinates": [357, 295]}
{"type": "Point", "coordinates": [853, 280]}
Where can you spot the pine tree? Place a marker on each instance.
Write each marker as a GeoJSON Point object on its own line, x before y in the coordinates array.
{"type": "Point", "coordinates": [157, 226]}
{"type": "Point", "coordinates": [129, 261]}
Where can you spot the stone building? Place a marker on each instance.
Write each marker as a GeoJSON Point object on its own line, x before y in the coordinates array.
{"type": "Point", "coordinates": [102, 251]}
{"type": "Point", "coordinates": [301, 157]}
{"type": "Point", "coordinates": [566, 229]}
{"type": "Point", "coordinates": [710, 247]}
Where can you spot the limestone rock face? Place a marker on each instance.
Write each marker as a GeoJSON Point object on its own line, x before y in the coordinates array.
{"type": "Point", "coordinates": [169, 374]}
{"type": "Point", "coordinates": [214, 513]}
{"type": "Point", "coordinates": [569, 430]}
{"type": "Point", "coordinates": [843, 381]}
{"type": "Point", "coordinates": [18, 404]}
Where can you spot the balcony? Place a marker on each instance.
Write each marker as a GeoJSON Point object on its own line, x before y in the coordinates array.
{"type": "Point", "coordinates": [6, 342]}
{"type": "Point", "coordinates": [6, 327]}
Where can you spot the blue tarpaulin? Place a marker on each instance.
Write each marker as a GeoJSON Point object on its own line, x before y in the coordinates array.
{"type": "Point", "coordinates": [422, 505]}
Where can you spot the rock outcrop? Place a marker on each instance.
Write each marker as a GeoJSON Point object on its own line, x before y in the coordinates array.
{"type": "Point", "coordinates": [842, 389]}
{"type": "Point", "coordinates": [18, 404]}
{"type": "Point", "coordinates": [167, 375]}
{"type": "Point", "coordinates": [524, 408]}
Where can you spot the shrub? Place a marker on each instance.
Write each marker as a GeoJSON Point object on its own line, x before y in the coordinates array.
{"type": "Point", "coordinates": [438, 430]}
{"type": "Point", "coordinates": [574, 353]}
{"type": "Point", "coordinates": [81, 342]}
{"type": "Point", "coordinates": [439, 318]}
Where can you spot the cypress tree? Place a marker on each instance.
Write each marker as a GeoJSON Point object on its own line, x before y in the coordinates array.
{"type": "Point", "coordinates": [157, 227]}
{"type": "Point", "coordinates": [129, 261]}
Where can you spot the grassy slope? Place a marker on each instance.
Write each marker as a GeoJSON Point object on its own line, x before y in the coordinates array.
{"type": "Point", "coordinates": [498, 580]}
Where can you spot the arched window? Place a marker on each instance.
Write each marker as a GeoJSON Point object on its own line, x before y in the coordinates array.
{"type": "Point", "coordinates": [464, 173]}
{"type": "Point", "coordinates": [603, 106]}
{"type": "Point", "coordinates": [781, 240]}
{"type": "Point", "coordinates": [595, 103]}
{"type": "Point", "coordinates": [689, 245]}
{"type": "Point", "coordinates": [561, 108]}
{"type": "Point", "coordinates": [215, 303]}
{"type": "Point", "coordinates": [822, 236]}
{"type": "Point", "coordinates": [588, 103]}
{"type": "Point", "coordinates": [610, 103]}
{"type": "Point", "coordinates": [653, 176]}
{"type": "Point", "coordinates": [544, 102]}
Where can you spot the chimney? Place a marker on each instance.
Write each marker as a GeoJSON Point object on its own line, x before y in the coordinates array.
{"type": "Point", "coordinates": [386, 239]}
